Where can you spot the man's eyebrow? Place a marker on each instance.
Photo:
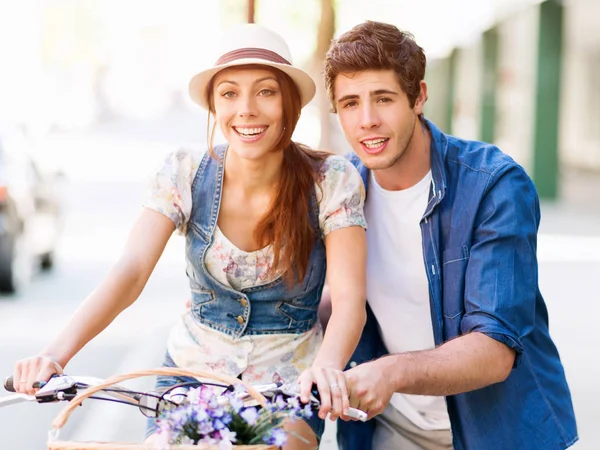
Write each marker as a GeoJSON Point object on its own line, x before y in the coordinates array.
{"type": "Point", "coordinates": [371, 94]}
{"type": "Point", "coordinates": [383, 91]}
{"type": "Point", "coordinates": [347, 97]}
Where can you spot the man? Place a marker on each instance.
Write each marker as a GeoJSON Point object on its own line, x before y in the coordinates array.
{"type": "Point", "coordinates": [452, 271]}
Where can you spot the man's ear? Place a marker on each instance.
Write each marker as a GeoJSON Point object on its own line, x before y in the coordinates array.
{"type": "Point", "coordinates": [421, 99]}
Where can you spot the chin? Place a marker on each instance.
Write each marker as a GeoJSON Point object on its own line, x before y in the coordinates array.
{"type": "Point", "coordinates": [251, 152]}
{"type": "Point", "coordinates": [376, 162]}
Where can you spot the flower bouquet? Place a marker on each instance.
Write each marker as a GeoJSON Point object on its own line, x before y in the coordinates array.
{"type": "Point", "coordinates": [203, 421]}
{"type": "Point", "coordinates": [224, 420]}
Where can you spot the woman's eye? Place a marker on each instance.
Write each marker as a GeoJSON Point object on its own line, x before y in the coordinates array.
{"type": "Point", "coordinates": [228, 94]}
{"type": "Point", "coordinates": [266, 92]}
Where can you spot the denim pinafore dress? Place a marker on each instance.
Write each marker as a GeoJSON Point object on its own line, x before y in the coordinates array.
{"type": "Point", "coordinates": [271, 308]}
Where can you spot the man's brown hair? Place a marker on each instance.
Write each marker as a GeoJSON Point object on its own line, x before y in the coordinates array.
{"type": "Point", "coordinates": [376, 46]}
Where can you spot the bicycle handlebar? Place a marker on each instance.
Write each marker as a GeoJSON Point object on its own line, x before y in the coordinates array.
{"type": "Point", "coordinates": [59, 385]}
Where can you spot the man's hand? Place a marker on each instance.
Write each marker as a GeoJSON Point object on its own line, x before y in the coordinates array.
{"type": "Point", "coordinates": [370, 386]}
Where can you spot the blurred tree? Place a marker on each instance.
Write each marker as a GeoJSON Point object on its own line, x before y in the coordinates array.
{"type": "Point", "coordinates": [251, 10]}
{"type": "Point", "coordinates": [325, 33]}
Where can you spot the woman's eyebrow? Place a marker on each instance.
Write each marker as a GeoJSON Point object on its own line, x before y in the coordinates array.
{"type": "Point", "coordinates": [227, 81]}
{"type": "Point", "coordinates": [260, 80]}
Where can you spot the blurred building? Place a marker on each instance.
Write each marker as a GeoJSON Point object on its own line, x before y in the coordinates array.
{"type": "Point", "coordinates": [530, 83]}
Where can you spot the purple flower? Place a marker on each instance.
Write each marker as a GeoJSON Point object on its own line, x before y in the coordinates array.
{"type": "Point", "coordinates": [200, 414]}
{"type": "Point", "coordinates": [307, 412]}
{"type": "Point", "coordinates": [217, 412]}
{"type": "Point", "coordinates": [276, 437]}
{"type": "Point", "coordinates": [228, 435]}
{"type": "Point", "coordinates": [236, 403]}
{"type": "Point", "coordinates": [206, 393]}
{"type": "Point", "coordinates": [226, 419]}
{"type": "Point", "coordinates": [280, 402]}
{"type": "Point", "coordinates": [205, 428]}
{"type": "Point", "coordinates": [218, 425]}
{"type": "Point", "coordinates": [250, 415]}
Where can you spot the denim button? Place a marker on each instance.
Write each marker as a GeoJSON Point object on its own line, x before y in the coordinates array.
{"type": "Point", "coordinates": [240, 320]}
{"type": "Point", "coordinates": [243, 301]}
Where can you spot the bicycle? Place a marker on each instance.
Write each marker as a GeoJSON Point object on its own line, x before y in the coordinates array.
{"type": "Point", "coordinates": [76, 389]}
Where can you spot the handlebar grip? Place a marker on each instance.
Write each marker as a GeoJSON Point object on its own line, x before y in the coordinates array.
{"type": "Point", "coordinates": [8, 384]}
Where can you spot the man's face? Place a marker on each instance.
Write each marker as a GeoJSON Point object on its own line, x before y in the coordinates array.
{"type": "Point", "coordinates": [376, 116]}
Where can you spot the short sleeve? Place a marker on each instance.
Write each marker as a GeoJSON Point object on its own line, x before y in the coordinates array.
{"type": "Point", "coordinates": [170, 188]}
{"type": "Point", "coordinates": [341, 195]}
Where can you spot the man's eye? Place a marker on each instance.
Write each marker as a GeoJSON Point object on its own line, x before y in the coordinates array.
{"type": "Point", "coordinates": [349, 104]}
{"type": "Point", "coordinates": [384, 100]}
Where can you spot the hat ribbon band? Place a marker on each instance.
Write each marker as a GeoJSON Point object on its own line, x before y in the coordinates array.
{"type": "Point", "coordinates": [259, 53]}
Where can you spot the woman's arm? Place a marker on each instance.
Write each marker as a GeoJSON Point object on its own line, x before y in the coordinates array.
{"type": "Point", "coordinates": [346, 250]}
{"type": "Point", "coordinates": [118, 291]}
{"type": "Point", "coordinates": [346, 275]}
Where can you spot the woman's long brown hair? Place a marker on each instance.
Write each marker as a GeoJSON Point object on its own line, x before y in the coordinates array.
{"type": "Point", "coordinates": [286, 225]}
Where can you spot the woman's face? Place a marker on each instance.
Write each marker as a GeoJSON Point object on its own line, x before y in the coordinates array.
{"type": "Point", "coordinates": [249, 110]}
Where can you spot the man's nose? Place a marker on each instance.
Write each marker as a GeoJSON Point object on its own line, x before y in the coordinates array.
{"type": "Point", "coordinates": [369, 118]}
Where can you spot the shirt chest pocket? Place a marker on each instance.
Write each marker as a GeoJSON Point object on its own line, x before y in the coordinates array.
{"type": "Point", "coordinates": [454, 266]}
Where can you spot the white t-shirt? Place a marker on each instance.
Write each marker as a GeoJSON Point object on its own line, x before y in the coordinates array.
{"type": "Point", "coordinates": [397, 287]}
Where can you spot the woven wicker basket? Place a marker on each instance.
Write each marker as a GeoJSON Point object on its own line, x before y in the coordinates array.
{"type": "Point", "coordinates": [63, 416]}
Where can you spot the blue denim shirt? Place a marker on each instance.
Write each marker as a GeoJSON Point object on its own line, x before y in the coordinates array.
{"type": "Point", "coordinates": [270, 308]}
{"type": "Point", "coordinates": [479, 235]}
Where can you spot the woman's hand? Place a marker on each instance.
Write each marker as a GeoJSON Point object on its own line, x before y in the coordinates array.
{"type": "Point", "coordinates": [331, 384]}
{"type": "Point", "coordinates": [30, 370]}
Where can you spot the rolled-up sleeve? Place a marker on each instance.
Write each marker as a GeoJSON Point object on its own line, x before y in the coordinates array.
{"type": "Point", "coordinates": [501, 282]}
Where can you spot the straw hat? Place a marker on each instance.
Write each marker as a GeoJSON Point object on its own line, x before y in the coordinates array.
{"type": "Point", "coordinates": [252, 44]}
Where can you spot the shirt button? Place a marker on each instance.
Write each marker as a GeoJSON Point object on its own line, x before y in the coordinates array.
{"type": "Point", "coordinates": [240, 320]}
{"type": "Point", "coordinates": [352, 363]}
{"type": "Point", "coordinates": [243, 301]}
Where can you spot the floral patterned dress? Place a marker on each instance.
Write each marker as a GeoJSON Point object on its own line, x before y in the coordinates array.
{"type": "Point", "coordinates": [257, 358]}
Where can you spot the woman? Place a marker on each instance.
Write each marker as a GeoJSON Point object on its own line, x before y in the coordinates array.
{"type": "Point", "coordinates": [263, 217]}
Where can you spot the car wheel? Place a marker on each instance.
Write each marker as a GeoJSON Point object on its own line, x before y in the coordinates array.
{"type": "Point", "coordinates": [15, 264]}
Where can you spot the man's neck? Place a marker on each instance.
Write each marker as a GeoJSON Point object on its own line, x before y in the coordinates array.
{"type": "Point", "coordinates": [412, 166]}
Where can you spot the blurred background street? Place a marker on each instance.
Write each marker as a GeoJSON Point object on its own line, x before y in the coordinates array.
{"type": "Point", "coordinates": [98, 90]}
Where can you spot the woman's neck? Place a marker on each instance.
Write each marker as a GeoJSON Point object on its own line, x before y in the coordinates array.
{"type": "Point", "coordinates": [253, 175]}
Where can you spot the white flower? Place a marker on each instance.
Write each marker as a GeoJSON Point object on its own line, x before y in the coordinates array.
{"type": "Point", "coordinates": [162, 440]}
{"type": "Point", "coordinates": [225, 445]}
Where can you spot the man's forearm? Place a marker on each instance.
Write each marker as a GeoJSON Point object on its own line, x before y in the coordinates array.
{"type": "Point", "coordinates": [463, 364]}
